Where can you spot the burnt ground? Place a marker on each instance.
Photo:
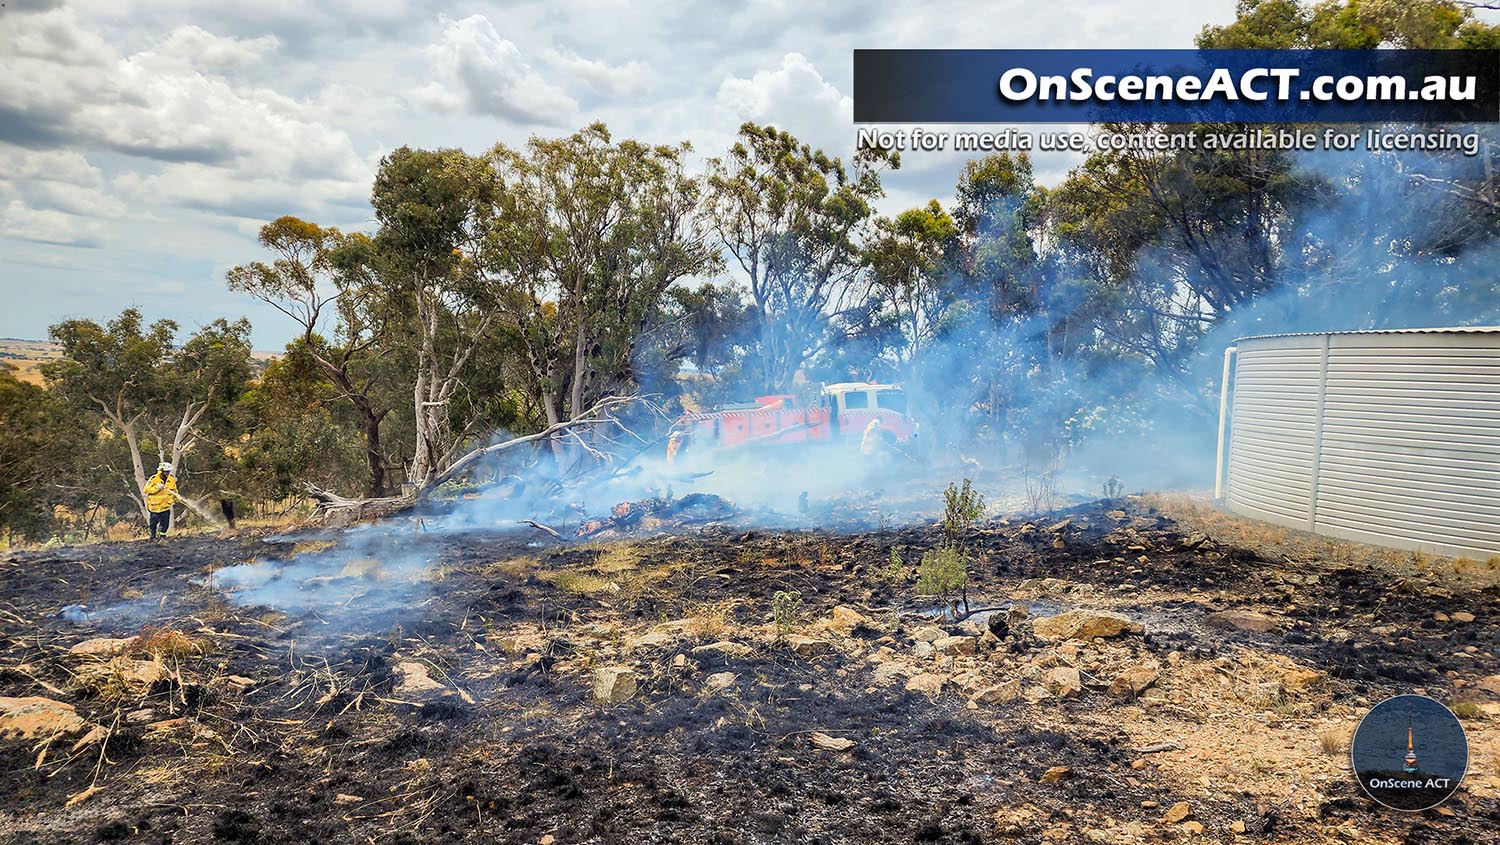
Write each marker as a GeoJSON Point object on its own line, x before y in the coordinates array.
{"type": "Point", "coordinates": [442, 689]}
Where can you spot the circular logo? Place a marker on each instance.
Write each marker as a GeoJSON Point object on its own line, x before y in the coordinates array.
{"type": "Point", "coordinates": [1409, 753]}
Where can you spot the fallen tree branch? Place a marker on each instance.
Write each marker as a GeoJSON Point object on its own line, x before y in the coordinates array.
{"type": "Point", "coordinates": [540, 527]}
{"type": "Point", "coordinates": [331, 504]}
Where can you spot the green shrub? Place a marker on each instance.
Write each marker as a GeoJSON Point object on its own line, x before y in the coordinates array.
{"type": "Point", "coordinates": [786, 609]}
{"type": "Point", "coordinates": [943, 573]}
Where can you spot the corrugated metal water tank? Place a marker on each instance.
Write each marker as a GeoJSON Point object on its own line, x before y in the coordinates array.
{"type": "Point", "coordinates": [1385, 437]}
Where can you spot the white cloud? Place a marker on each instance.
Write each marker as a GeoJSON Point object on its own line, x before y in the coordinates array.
{"type": "Point", "coordinates": [49, 227]}
{"type": "Point", "coordinates": [625, 81]}
{"type": "Point", "coordinates": [172, 105]}
{"type": "Point", "coordinates": [202, 48]}
{"type": "Point", "coordinates": [477, 70]}
{"type": "Point", "coordinates": [795, 97]}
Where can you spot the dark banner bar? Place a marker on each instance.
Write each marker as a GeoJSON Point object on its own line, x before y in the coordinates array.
{"type": "Point", "coordinates": [1176, 86]}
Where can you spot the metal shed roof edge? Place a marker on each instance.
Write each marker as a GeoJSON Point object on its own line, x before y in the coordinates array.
{"type": "Point", "coordinates": [1446, 330]}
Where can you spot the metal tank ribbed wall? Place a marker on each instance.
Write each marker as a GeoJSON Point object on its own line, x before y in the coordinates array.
{"type": "Point", "coordinates": [1389, 437]}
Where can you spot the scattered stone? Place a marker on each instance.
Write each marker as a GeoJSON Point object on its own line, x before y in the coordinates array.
{"type": "Point", "coordinates": [830, 743]}
{"type": "Point", "coordinates": [1243, 620]}
{"type": "Point", "coordinates": [1179, 811]}
{"type": "Point", "coordinates": [1490, 684]}
{"type": "Point", "coordinates": [548, 839]}
{"type": "Point", "coordinates": [1193, 827]}
{"type": "Point", "coordinates": [34, 717]}
{"type": "Point", "coordinates": [719, 681]}
{"type": "Point", "coordinates": [1055, 774]}
{"type": "Point", "coordinates": [655, 639]}
{"type": "Point", "coordinates": [807, 646]}
{"type": "Point", "coordinates": [922, 650]}
{"type": "Point", "coordinates": [1237, 826]}
{"type": "Point", "coordinates": [1132, 683]}
{"type": "Point", "coordinates": [843, 620]}
{"type": "Point", "coordinates": [1297, 680]}
{"type": "Point", "coordinates": [1062, 681]}
{"type": "Point", "coordinates": [1440, 616]}
{"type": "Point", "coordinates": [346, 798]}
{"type": "Point", "coordinates": [240, 681]}
{"type": "Point", "coordinates": [614, 684]}
{"type": "Point", "coordinates": [1083, 625]}
{"type": "Point", "coordinates": [1000, 693]}
{"type": "Point", "coordinates": [102, 647]}
{"type": "Point", "coordinates": [956, 645]}
{"type": "Point", "coordinates": [135, 676]}
{"type": "Point", "coordinates": [889, 673]}
{"type": "Point", "coordinates": [928, 633]}
{"type": "Point", "coordinates": [415, 682]}
{"type": "Point", "coordinates": [1462, 616]}
{"type": "Point", "coordinates": [679, 662]}
{"type": "Point", "coordinates": [926, 683]}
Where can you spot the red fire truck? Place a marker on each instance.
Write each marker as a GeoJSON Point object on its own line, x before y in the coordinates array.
{"type": "Point", "coordinates": [843, 413]}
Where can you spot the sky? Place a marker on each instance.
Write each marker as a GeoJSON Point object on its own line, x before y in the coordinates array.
{"type": "Point", "coordinates": [143, 143]}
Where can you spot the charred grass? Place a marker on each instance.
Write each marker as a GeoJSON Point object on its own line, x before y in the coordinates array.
{"type": "Point", "coordinates": [281, 726]}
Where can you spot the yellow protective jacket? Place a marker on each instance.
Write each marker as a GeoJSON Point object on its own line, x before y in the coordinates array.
{"type": "Point", "coordinates": [160, 494]}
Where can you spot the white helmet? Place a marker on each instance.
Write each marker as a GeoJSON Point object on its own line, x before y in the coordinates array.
{"type": "Point", "coordinates": [166, 466]}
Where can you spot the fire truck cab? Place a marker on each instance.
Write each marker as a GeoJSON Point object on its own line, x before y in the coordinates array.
{"type": "Point", "coordinates": [843, 412]}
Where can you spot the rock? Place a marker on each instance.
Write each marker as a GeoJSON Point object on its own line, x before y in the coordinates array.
{"type": "Point", "coordinates": [1083, 625]}
{"type": "Point", "coordinates": [1132, 683]}
{"type": "Point", "coordinates": [135, 676]}
{"type": "Point", "coordinates": [1062, 681]}
{"type": "Point", "coordinates": [830, 743]}
{"type": "Point", "coordinates": [1193, 827]}
{"type": "Point", "coordinates": [1179, 811]}
{"type": "Point", "coordinates": [679, 662]}
{"type": "Point", "coordinates": [719, 681]}
{"type": "Point", "coordinates": [1489, 684]}
{"type": "Point", "coordinates": [889, 673]}
{"type": "Point", "coordinates": [806, 646]}
{"type": "Point", "coordinates": [34, 717]}
{"type": "Point", "coordinates": [1000, 693]}
{"type": "Point", "coordinates": [1440, 616]}
{"type": "Point", "coordinates": [928, 633]}
{"type": "Point", "coordinates": [998, 626]}
{"type": "Point", "coordinates": [926, 683]}
{"type": "Point", "coordinates": [548, 839]}
{"type": "Point", "coordinates": [363, 568]}
{"type": "Point", "coordinates": [1462, 616]}
{"type": "Point", "coordinates": [1237, 826]}
{"type": "Point", "coordinates": [102, 647]}
{"type": "Point", "coordinates": [1055, 774]}
{"type": "Point", "coordinates": [614, 684]}
{"type": "Point", "coordinates": [922, 650]}
{"type": "Point", "coordinates": [415, 681]}
{"type": "Point", "coordinates": [1296, 680]}
{"type": "Point", "coordinates": [724, 647]}
{"type": "Point", "coordinates": [1243, 620]}
{"type": "Point", "coordinates": [240, 681]}
{"type": "Point", "coordinates": [956, 645]}
{"type": "Point", "coordinates": [843, 620]}
{"type": "Point", "coordinates": [655, 639]}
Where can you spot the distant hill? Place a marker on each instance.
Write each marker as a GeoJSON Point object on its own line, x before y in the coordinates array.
{"type": "Point", "coordinates": [27, 356]}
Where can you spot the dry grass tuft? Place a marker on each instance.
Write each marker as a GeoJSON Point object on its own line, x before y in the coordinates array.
{"type": "Point", "coordinates": [710, 621]}
{"type": "Point", "coordinates": [615, 559]}
{"type": "Point", "coordinates": [1333, 739]}
{"type": "Point", "coordinates": [574, 581]}
{"type": "Point", "coordinates": [171, 644]}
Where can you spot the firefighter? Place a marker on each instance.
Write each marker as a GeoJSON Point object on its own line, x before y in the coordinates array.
{"type": "Point", "coordinates": [161, 493]}
{"type": "Point", "coordinates": [872, 443]}
{"type": "Point", "coordinates": [675, 441]}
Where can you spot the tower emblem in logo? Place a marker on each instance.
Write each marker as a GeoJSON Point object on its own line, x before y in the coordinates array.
{"type": "Point", "coordinates": [1409, 753]}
